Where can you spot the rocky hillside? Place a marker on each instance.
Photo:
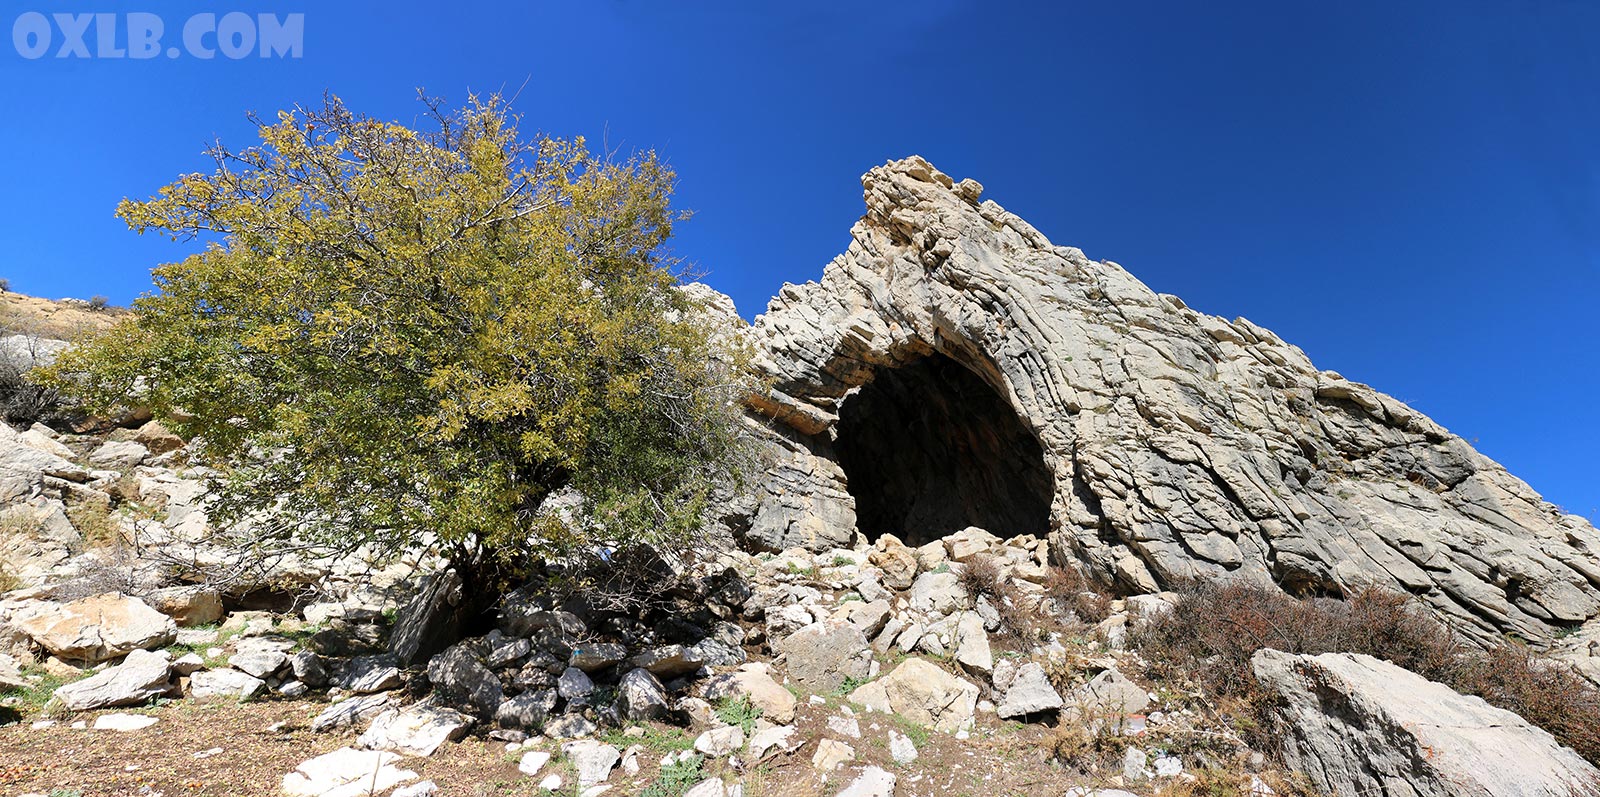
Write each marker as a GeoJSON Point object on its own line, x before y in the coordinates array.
{"type": "Point", "coordinates": [1025, 527]}
{"type": "Point", "coordinates": [953, 368]}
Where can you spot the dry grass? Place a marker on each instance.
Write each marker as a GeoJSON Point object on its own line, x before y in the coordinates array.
{"type": "Point", "coordinates": [1215, 627]}
{"type": "Point", "coordinates": [1070, 591]}
{"type": "Point", "coordinates": [1088, 745]}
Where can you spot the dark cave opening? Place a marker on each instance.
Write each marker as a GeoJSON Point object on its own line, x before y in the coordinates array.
{"type": "Point", "coordinates": [930, 448]}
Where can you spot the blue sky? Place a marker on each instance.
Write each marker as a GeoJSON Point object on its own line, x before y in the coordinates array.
{"type": "Point", "coordinates": [1408, 191]}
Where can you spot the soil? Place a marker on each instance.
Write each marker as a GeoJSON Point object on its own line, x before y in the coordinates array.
{"type": "Point", "coordinates": [261, 742]}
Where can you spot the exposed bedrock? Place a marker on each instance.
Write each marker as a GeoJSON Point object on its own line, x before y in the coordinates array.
{"type": "Point", "coordinates": [953, 367]}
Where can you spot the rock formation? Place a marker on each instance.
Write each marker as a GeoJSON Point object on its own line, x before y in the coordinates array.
{"type": "Point", "coordinates": [954, 368]}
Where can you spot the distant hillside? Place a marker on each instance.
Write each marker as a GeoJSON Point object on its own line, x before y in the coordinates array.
{"type": "Point", "coordinates": [64, 319]}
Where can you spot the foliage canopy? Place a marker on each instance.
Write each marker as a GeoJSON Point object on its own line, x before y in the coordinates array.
{"type": "Point", "coordinates": [397, 335]}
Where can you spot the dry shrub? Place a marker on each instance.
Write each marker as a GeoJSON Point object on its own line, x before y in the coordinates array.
{"type": "Point", "coordinates": [1546, 693]}
{"type": "Point", "coordinates": [1071, 591]}
{"type": "Point", "coordinates": [1215, 627]}
{"type": "Point", "coordinates": [1227, 783]}
{"type": "Point", "coordinates": [1087, 744]}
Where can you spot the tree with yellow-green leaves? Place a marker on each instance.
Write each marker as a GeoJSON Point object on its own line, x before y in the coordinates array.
{"type": "Point", "coordinates": [399, 337]}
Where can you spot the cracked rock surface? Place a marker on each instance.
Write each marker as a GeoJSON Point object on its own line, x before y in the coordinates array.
{"type": "Point", "coordinates": [1176, 444]}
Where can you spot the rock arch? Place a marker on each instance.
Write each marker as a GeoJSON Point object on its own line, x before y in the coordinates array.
{"type": "Point", "coordinates": [1178, 444]}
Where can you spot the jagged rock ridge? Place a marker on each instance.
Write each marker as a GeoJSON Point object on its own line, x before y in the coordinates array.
{"type": "Point", "coordinates": [1178, 444]}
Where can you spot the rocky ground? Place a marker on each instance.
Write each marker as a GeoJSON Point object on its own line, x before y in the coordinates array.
{"type": "Point", "coordinates": [1132, 449]}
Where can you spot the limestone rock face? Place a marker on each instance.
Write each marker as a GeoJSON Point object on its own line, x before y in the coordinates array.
{"type": "Point", "coordinates": [99, 628]}
{"type": "Point", "coordinates": [955, 368]}
{"type": "Point", "coordinates": [1358, 725]}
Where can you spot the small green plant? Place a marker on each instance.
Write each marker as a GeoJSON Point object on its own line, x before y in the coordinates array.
{"type": "Point", "coordinates": [675, 779]}
{"type": "Point", "coordinates": [913, 731]}
{"type": "Point", "coordinates": [65, 793]}
{"type": "Point", "coordinates": [843, 561]}
{"type": "Point", "coordinates": [849, 685]}
{"type": "Point", "coordinates": [739, 711]}
{"type": "Point", "coordinates": [659, 740]}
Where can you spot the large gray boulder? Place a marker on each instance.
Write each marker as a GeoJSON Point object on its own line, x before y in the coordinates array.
{"type": "Point", "coordinates": [1150, 442]}
{"type": "Point", "coordinates": [98, 628]}
{"type": "Point", "coordinates": [1356, 725]}
{"type": "Point", "coordinates": [140, 676]}
{"type": "Point", "coordinates": [822, 656]}
{"type": "Point", "coordinates": [923, 694]}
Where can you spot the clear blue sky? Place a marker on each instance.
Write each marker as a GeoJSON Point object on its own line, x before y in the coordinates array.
{"type": "Point", "coordinates": [1407, 190]}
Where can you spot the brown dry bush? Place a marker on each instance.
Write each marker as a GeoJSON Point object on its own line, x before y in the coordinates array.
{"type": "Point", "coordinates": [1547, 693]}
{"type": "Point", "coordinates": [1087, 744]}
{"type": "Point", "coordinates": [1068, 588]}
{"type": "Point", "coordinates": [1215, 627]}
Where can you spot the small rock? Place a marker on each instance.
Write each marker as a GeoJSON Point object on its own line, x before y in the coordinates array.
{"type": "Point", "coordinates": [720, 742]}
{"type": "Point", "coordinates": [225, 683]}
{"type": "Point", "coordinates": [123, 722]}
{"type": "Point", "coordinates": [532, 762]}
{"type": "Point", "coordinates": [832, 754]}
{"type": "Point", "coordinates": [872, 782]}
{"type": "Point", "coordinates": [425, 788]}
{"type": "Point", "coordinates": [593, 760]}
{"type": "Point", "coordinates": [351, 712]}
{"type": "Point", "coordinates": [901, 748]}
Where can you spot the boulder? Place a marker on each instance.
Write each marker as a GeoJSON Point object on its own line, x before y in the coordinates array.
{"type": "Point", "coordinates": [140, 677]}
{"type": "Point", "coordinates": [832, 754]}
{"type": "Point", "coordinates": [720, 742]}
{"type": "Point", "coordinates": [1110, 692]}
{"type": "Point", "coordinates": [459, 675]}
{"type": "Point", "coordinates": [368, 674]}
{"type": "Point", "coordinates": [416, 730]}
{"type": "Point", "coordinates": [872, 782]}
{"type": "Point", "coordinates": [188, 606]}
{"type": "Point", "coordinates": [755, 682]}
{"type": "Point", "coordinates": [528, 711]}
{"type": "Point", "coordinates": [898, 563]}
{"type": "Point", "coordinates": [922, 693]}
{"type": "Point", "coordinates": [346, 772]}
{"type": "Point", "coordinates": [258, 663]}
{"type": "Point", "coordinates": [670, 661]}
{"type": "Point", "coordinates": [99, 628]}
{"type": "Point", "coordinates": [225, 683]}
{"type": "Point", "coordinates": [351, 712]}
{"type": "Point", "coordinates": [119, 455]}
{"type": "Point", "coordinates": [593, 760]}
{"type": "Point", "coordinates": [937, 593]}
{"type": "Point", "coordinates": [823, 655]}
{"type": "Point", "coordinates": [972, 644]}
{"type": "Point", "coordinates": [1029, 691]}
{"type": "Point", "coordinates": [640, 696]}
{"type": "Point", "coordinates": [1357, 725]}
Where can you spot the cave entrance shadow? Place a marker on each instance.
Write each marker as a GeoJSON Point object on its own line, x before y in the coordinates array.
{"type": "Point", "coordinates": [930, 448]}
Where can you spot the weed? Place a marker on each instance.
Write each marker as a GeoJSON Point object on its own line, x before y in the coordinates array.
{"type": "Point", "coordinates": [739, 711]}
{"type": "Point", "coordinates": [675, 779]}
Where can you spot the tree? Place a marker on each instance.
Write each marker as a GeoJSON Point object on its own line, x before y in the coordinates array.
{"type": "Point", "coordinates": [397, 337]}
